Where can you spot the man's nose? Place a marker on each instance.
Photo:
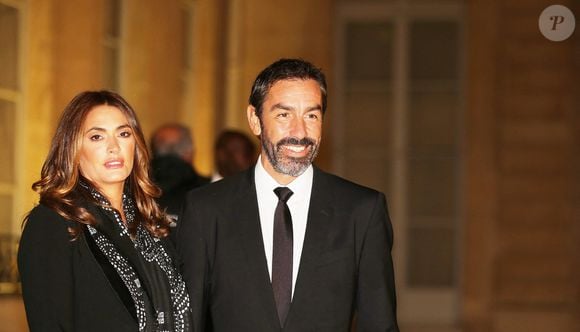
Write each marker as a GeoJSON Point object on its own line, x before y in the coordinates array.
{"type": "Point", "coordinates": [298, 128]}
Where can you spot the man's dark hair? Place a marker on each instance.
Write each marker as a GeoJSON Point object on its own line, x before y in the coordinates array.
{"type": "Point", "coordinates": [285, 69]}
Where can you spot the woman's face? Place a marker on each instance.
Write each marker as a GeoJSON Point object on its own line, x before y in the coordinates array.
{"type": "Point", "coordinates": [107, 149]}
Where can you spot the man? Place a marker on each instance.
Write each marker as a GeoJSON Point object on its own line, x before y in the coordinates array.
{"type": "Point", "coordinates": [285, 246]}
{"type": "Point", "coordinates": [172, 165]}
{"type": "Point", "coordinates": [234, 152]}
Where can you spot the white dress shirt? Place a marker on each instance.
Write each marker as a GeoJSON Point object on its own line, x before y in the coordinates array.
{"type": "Point", "coordinates": [298, 204]}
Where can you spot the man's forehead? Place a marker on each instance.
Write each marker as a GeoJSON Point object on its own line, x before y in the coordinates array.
{"type": "Point", "coordinates": [294, 85]}
{"type": "Point", "coordinates": [288, 81]}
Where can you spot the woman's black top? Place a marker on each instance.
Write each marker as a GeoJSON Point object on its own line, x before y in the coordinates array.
{"type": "Point", "coordinates": [104, 279]}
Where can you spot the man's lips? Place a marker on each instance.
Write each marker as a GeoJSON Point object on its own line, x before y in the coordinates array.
{"type": "Point", "coordinates": [295, 148]}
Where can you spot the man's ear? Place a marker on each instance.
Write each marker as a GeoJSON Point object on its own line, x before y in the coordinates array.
{"type": "Point", "coordinates": [253, 120]}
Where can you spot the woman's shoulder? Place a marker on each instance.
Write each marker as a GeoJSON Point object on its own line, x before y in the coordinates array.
{"type": "Point", "coordinates": [43, 212]}
{"type": "Point", "coordinates": [45, 222]}
{"type": "Point", "coordinates": [45, 241]}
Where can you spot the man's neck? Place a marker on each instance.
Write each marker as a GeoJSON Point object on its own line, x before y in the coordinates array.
{"type": "Point", "coordinates": [283, 179]}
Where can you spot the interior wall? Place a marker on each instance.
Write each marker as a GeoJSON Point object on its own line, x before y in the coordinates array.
{"type": "Point", "coordinates": [54, 70]}
{"type": "Point", "coordinates": [38, 99]}
{"type": "Point", "coordinates": [521, 248]}
{"type": "Point", "coordinates": [203, 109]}
{"type": "Point", "coordinates": [151, 66]}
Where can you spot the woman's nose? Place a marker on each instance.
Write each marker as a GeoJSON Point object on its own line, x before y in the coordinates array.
{"type": "Point", "coordinates": [113, 146]}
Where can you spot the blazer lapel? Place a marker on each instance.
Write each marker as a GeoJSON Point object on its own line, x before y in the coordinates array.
{"type": "Point", "coordinates": [319, 223]}
{"type": "Point", "coordinates": [250, 235]}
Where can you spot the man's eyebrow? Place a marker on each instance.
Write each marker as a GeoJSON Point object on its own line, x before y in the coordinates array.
{"type": "Point", "coordinates": [281, 106]}
{"type": "Point", "coordinates": [290, 108]}
{"type": "Point", "coordinates": [314, 108]}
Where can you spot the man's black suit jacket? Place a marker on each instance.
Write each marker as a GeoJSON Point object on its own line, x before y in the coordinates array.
{"type": "Point", "coordinates": [346, 263]}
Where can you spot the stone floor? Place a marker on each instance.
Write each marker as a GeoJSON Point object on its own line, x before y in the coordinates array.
{"type": "Point", "coordinates": [12, 314]}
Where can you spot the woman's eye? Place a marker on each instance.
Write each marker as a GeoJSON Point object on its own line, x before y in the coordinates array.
{"type": "Point", "coordinates": [125, 134]}
{"type": "Point", "coordinates": [95, 137]}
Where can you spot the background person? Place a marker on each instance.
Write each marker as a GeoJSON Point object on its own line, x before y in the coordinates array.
{"type": "Point", "coordinates": [234, 152]}
{"type": "Point", "coordinates": [172, 165]}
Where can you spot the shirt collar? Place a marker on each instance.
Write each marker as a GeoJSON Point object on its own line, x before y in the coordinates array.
{"type": "Point", "coordinates": [301, 186]}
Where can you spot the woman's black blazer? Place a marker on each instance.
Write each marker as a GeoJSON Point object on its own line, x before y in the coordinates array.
{"type": "Point", "coordinates": [63, 286]}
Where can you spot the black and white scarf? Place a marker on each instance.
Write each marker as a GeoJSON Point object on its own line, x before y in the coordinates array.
{"type": "Point", "coordinates": [145, 267]}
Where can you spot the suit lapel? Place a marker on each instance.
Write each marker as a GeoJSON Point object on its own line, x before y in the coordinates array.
{"type": "Point", "coordinates": [319, 223]}
{"type": "Point", "coordinates": [250, 235]}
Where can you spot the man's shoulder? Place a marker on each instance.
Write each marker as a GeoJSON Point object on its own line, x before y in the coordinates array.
{"type": "Point", "coordinates": [340, 185]}
{"type": "Point", "coordinates": [223, 188]}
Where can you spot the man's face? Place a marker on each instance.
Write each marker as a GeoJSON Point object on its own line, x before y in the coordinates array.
{"type": "Point", "coordinates": [290, 127]}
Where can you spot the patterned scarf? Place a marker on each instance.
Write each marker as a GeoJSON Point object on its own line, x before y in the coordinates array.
{"type": "Point", "coordinates": [145, 267]}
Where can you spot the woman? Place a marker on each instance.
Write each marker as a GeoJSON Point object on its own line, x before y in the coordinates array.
{"type": "Point", "coordinates": [93, 254]}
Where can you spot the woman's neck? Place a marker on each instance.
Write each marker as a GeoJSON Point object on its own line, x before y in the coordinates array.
{"type": "Point", "coordinates": [114, 195]}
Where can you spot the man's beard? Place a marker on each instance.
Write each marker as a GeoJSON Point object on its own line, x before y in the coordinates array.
{"type": "Point", "coordinates": [285, 164]}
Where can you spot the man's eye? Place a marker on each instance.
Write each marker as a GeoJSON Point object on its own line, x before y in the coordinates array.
{"type": "Point", "coordinates": [313, 116]}
{"type": "Point", "coordinates": [283, 115]}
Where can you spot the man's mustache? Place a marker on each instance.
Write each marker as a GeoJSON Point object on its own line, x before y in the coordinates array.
{"type": "Point", "coordinates": [306, 141]}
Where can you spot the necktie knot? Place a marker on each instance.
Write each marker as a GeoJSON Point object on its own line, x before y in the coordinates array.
{"type": "Point", "coordinates": [283, 193]}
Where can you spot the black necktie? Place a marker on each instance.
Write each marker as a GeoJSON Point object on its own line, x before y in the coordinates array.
{"type": "Point", "coordinates": [282, 254]}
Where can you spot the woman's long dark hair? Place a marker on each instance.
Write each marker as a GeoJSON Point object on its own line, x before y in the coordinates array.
{"type": "Point", "coordinates": [59, 187]}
